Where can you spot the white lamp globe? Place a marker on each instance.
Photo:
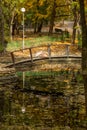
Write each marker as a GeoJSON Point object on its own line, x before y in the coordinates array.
{"type": "Point", "coordinates": [23, 10]}
{"type": "Point", "coordinates": [23, 110]}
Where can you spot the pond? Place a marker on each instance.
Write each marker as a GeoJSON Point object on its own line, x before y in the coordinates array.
{"type": "Point", "coordinates": [44, 100]}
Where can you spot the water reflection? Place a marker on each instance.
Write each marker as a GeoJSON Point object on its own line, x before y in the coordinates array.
{"type": "Point", "coordinates": [23, 109]}
{"type": "Point", "coordinates": [44, 101]}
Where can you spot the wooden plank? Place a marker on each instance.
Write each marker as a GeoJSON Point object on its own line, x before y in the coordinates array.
{"type": "Point", "coordinates": [13, 58]}
{"type": "Point", "coordinates": [31, 57]}
{"type": "Point", "coordinates": [67, 50]}
{"type": "Point", "coordinates": [47, 58]}
{"type": "Point", "coordinates": [49, 51]}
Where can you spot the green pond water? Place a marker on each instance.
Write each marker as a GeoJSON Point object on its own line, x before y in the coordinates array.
{"type": "Point", "coordinates": [52, 100]}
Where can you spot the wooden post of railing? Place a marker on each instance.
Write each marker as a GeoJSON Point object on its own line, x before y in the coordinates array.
{"type": "Point", "coordinates": [13, 58]}
{"type": "Point", "coordinates": [49, 51]}
{"type": "Point", "coordinates": [30, 49]}
{"type": "Point", "coordinates": [67, 50]}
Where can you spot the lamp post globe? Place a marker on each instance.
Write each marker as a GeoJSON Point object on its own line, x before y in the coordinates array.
{"type": "Point", "coordinates": [23, 9]}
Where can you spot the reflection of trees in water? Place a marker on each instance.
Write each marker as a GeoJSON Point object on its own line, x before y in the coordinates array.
{"type": "Point", "coordinates": [46, 111]}
{"type": "Point", "coordinates": [1, 106]}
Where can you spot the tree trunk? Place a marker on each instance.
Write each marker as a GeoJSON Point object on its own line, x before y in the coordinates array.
{"type": "Point", "coordinates": [15, 25]}
{"type": "Point", "coordinates": [2, 47]}
{"type": "Point", "coordinates": [75, 23]}
{"type": "Point", "coordinates": [11, 26]}
{"type": "Point", "coordinates": [52, 18]}
{"type": "Point", "coordinates": [35, 27]}
{"type": "Point", "coordinates": [84, 47]}
{"type": "Point", "coordinates": [13, 29]}
{"type": "Point", "coordinates": [40, 24]}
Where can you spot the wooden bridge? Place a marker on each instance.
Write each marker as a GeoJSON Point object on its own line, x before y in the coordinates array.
{"type": "Point", "coordinates": [50, 51]}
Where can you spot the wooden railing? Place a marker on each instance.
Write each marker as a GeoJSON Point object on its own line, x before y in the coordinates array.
{"type": "Point", "coordinates": [48, 50]}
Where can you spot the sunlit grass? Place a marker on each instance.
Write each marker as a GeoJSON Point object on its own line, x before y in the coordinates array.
{"type": "Point", "coordinates": [32, 41]}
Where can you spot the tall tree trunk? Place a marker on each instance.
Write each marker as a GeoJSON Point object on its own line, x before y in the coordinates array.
{"type": "Point", "coordinates": [84, 47]}
{"type": "Point", "coordinates": [36, 19]}
{"type": "Point", "coordinates": [52, 18]}
{"type": "Point", "coordinates": [11, 28]}
{"type": "Point", "coordinates": [35, 27]}
{"type": "Point", "coordinates": [75, 23]}
{"type": "Point", "coordinates": [11, 25]}
{"type": "Point", "coordinates": [40, 24]}
{"type": "Point", "coordinates": [2, 47]}
{"type": "Point", "coordinates": [15, 27]}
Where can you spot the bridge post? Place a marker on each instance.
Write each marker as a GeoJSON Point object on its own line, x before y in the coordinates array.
{"type": "Point", "coordinates": [13, 59]}
{"type": "Point", "coordinates": [49, 51]}
{"type": "Point", "coordinates": [31, 57]}
{"type": "Point", "coordinates": [67, 50]}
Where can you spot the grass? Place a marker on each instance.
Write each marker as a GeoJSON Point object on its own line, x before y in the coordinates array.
{"type": "Point", "coordinates": [39, 73]}
{"type": "Point", "coordinates": [35, 40]}
{"type": "Point", "coordinates": [32, 41]}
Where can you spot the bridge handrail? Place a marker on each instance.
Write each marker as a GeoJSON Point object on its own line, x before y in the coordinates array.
{"type": "Point", "coordinates": [48, 50]}
{"type": "Point", "coordinates": [39, 46]}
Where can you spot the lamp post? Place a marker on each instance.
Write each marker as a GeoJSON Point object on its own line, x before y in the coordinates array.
{"type": "Point", "coordinates": [23, 11]}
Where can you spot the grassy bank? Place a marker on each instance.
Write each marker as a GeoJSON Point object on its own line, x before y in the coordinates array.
{"type": "Point", "coordinates": [36, 40]}
{"type": "Point", "coordinates": [32, 41]}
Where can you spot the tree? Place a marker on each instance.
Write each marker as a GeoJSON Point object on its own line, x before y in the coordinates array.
{"type": "Point", "coordinates": [84, 47]}
{"type": "Point", "coordinates": [36, 13]}
{"type": "Point", "coordinates": [41, 11]}
{"type": "Point", "coordinates": [75, 14]}
{"type": "Point", "coordinates": [8, 14]}
{"type": "Point", "coordinates": [2, 46]}
{"type": "Point", "coordinates": [11, 13]}
{"type": "Point", "coordinates": [52, 16]}
{"type": "Point", "coordinates": [55, 9]}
